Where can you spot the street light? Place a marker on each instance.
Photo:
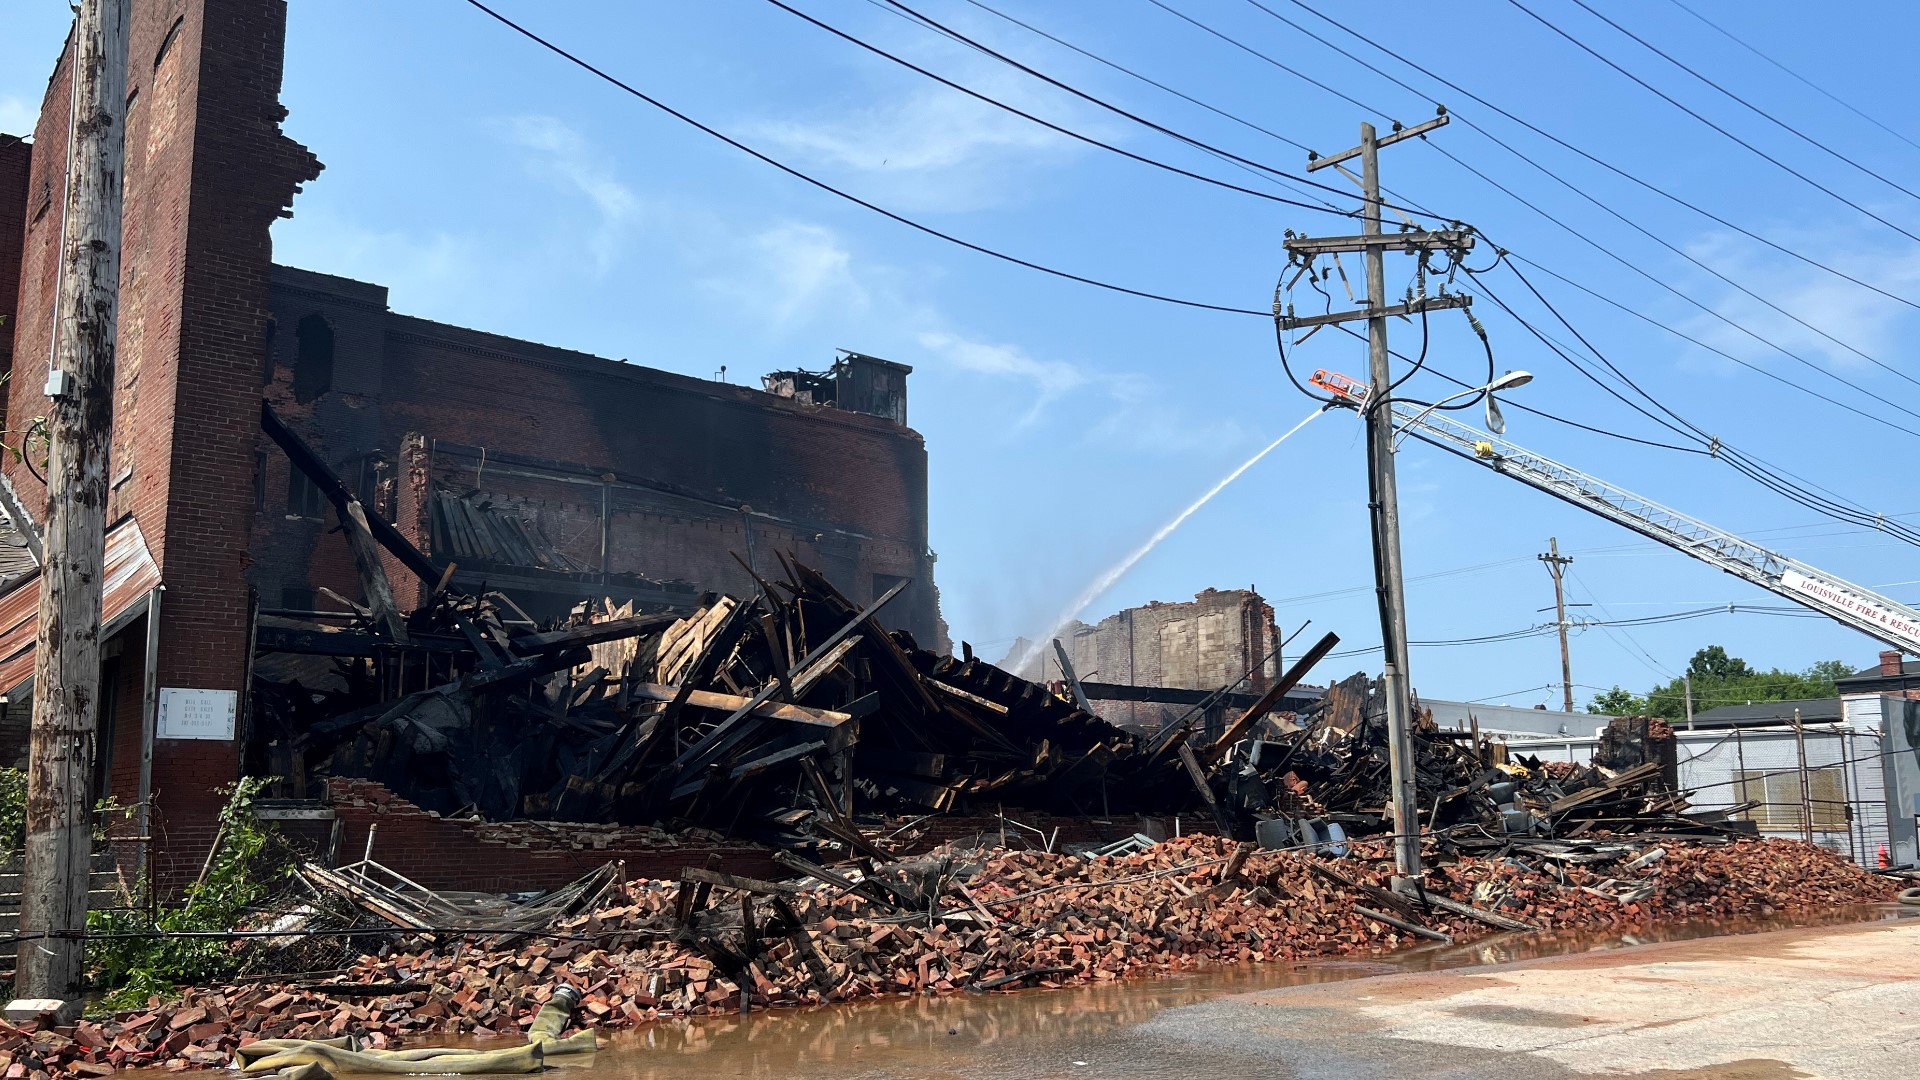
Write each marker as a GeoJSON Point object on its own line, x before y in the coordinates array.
{"type": "Point", "coordinates": [1495, 422]}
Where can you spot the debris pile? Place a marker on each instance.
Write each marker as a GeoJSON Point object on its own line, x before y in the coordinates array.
{"type": "Point", "coordinates": [790, 716]}
{"type": "Point", "coordinates": [1330, 767]}
{"type": "Point", "coordinates": [956, 920]}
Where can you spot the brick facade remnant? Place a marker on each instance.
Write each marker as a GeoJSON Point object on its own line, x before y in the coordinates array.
{"type": "Point", "coordinates": [1202, 645]}
{"type": "Point", "coordinates": [606, 478]}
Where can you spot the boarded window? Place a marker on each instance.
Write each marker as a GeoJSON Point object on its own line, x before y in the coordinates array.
{"type": "Point", "coordinates": [883, 582]}
{"type": "Point", "coordinates": [303, 497]}
{"type": "Point", "coordinates": [1781, 801]}
{"type": "Point", "coordinates": [313, 363]}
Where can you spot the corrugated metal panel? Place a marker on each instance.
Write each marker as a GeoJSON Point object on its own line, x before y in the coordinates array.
{"type": "Point", "coordinates": [16, 557]}
{"type": "Point", "coordinates": [131, 574]}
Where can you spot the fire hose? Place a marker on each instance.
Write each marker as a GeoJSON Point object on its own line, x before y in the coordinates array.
{"type": "Point", "coordinates": [314, 1059]}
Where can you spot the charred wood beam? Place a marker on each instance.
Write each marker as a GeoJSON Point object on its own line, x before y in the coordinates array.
{"type": "Point", "coordinates": [731, 730]}
{"type": "Point", "coordinates": [708, 699]}
{"type": "Point", "coordinates": [1165, 695]}
{"type": "Point", "coordinates": [290, 639]}
{"type": "Point", "coordinates": [308, 461]}
{"type": "Point", "coordinates": [1238, 729]}
{"type": "Point", "coordinates": [590, 634]}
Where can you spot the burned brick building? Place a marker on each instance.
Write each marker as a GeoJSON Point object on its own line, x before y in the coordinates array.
{"type": "Point", "coordinates": [545, 474]}
{"type": "Point", "coordinates": [1202, 645]}
{"type": "Point", "coordinates": [553, 475]}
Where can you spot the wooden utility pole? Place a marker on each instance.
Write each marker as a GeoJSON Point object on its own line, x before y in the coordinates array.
{"type": "Point", "coordinates": [1806, 786]}
{"type": "Point", "coordinates": [1384, 500]}
{"type": "Point", "coordinates": [66, 663]}
{"type": "Point", "coordinates": [1557, 566]}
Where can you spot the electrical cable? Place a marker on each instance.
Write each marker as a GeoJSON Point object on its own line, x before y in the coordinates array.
{"type": "Point", "coordinates": [1097, 58]}
{"type": "Point", "coordinates": [848, 196]}
{"type": "Point", "coordinates": [1750, 106]}
{"type": "Point", "coordinates": [1564, 144]}
{"type": "Point", "coordinates": [1048, 124]}
{"type": "Point", "coordinates": [1755, 470]}
{"type": "Point", "coordinates": [1630, 222]}
{"type": "Point", "coordinates": [1263, 177]}
{"type": "Point", "coordinates": [1752, 467]}
{"type": "Point", "coordinates": [1543, 413]}
{"type": "Point", "coordinates": [1829, 95]}
{"type": "Point", "coordinates": [1549, 629]}
{"type": "Point", "coordinates": [1099, 102]}
{"type": "Point", "coordinates": [1669, 99]}
{"type": "Point", "coordinates": [1696, 302]}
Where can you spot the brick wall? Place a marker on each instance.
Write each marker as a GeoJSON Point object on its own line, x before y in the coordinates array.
{"type": "Point", "coordinates": [207, 172]}
{"type": "Point", "coordinates": [690, 467]}
{"type": "Point", "coordinates": [1201, 645]}
{"type": "Point", "coordinates": [16, 158]}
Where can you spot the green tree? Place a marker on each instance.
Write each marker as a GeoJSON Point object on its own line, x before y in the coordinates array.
{"type": "Point", "coordinates": [1720, 679]}
{"type": "Point", "coordinates": [1713, 663]}
{"type": "Point", "coordinates": [1618, 702]}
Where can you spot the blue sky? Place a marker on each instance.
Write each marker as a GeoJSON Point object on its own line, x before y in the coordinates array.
{"type": "Point", "coordinates": [489, 184]}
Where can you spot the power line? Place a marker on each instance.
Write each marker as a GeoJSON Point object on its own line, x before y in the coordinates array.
{"type": "Point", "coordinates": [1752, 467]}
{"type": "Point", "coordinates": [1539, 630]}
{"type": "Point", "coordinates": [1829, 95]}
{"type": "Point", "coordinates": [1102, 103]}
{"type": "Point", "coordinates": [1131, 73]}
{"type": "Point", "coordinates": [1097, 58]}
{"type": "Point", "coordinates": [1750, 106]}
{"type": "Point", "coordinates": [1060, 129]}
{"type": "Point", "coordinates": [1623, 218]}
{"type": "Point", "coordinates": [855, 199]}
{"type": "Point", "coordinates": [1556, 140]}
{"type": "Point", "coordinates": [922, 20]}
{"type": "Point", "coordinates": [1675, 102]}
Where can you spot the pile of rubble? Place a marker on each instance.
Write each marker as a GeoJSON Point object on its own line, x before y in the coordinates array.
{"type": "Point", "coordinates": [956, 920]}
{"type": "Point", "coordinates": [790, 717]}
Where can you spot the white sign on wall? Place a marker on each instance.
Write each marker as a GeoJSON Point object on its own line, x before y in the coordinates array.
{"type": "Point", "coordinates": [197, 714]}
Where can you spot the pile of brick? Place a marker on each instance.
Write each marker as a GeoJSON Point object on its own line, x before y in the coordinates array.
{"type": "Point", "coordinates": [1018, 919]}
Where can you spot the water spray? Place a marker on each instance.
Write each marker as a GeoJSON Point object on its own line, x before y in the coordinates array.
{"type": "Point", "coordinates": [1119, 570]}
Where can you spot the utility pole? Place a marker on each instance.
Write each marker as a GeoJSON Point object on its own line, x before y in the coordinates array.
{"type": "Point", "coordinates": [1689, 683]}
{"type": "Point", "coordinates": [1806, 787]}
{"type": "Point", "coordinates": [1557, 566]}
{"type": "Point", "coordinates": [66, 662]}
{"type": "Point", "coordinates": [1383, 502]}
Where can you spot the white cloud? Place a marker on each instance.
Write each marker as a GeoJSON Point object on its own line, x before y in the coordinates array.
{"type": "Point", "coordinates": [789, 275]}
{"type": "Point", "coordinates": [1133, 411]}
{"type": "Point", "coordinates": [1047, 380]}
{"type": "Point", "coordinates": [1852, 315]}
{"type": "Point", "coordinates": [16, 118]}
{"type": "Point", "coordinates": [563, 157]}
{"type": "Point", "coordinates": [932, 150]}
{"type": "Point", "coordinates": [435, 272]}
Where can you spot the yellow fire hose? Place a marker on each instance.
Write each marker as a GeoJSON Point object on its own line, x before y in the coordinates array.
{"type": "Point", "coordinates": [312, 1059]}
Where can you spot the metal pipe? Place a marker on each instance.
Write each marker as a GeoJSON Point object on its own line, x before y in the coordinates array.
{"type": "Point", "coordinates": [149, 720]}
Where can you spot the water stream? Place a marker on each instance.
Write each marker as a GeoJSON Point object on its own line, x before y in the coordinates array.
{"type": "Point", "coordinates": [1119, 570]}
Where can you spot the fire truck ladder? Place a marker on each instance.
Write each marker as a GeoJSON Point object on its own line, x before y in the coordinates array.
{"type": "Point", "coordinates": [1852, 605]}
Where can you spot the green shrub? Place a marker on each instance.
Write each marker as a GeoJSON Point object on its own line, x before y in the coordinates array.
{"type": "Point", "coordinates": [132, 968]}
{"type": "Point", "coordinates": [13, 814]}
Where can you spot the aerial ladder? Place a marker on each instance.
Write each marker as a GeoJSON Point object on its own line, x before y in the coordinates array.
{"type": "Point", "coordinates": [1840, 600]}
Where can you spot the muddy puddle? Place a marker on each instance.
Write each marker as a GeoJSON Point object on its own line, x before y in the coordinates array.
{"type": "Point", "coordinates": [972, 1035]}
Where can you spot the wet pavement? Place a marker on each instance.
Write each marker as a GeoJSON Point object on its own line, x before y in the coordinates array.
{"type": "Point", "coordinates": [1275, 1020]}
